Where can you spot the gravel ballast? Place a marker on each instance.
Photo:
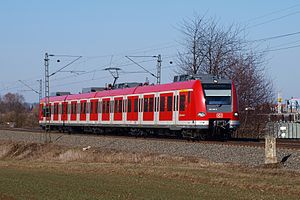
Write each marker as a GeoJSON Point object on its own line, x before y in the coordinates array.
{"type": "Point", "coordinates": [220, 153]}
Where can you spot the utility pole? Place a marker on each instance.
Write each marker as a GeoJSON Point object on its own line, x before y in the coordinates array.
{"type": "Point", "coordinates": [47, 101]}
{"type": "Point", "coordinates": [47, 90]}
{"type": "Point", "coordinates": [158, 77]}
{"type": "Point", "coordinates": [41, 90]}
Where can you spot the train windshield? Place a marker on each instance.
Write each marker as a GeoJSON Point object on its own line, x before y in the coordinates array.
{"type": "Point", "coordinates": [217, 94]}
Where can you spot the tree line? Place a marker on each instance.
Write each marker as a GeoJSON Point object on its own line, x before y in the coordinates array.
{"type": "Point", "coordinates": [15, 112]}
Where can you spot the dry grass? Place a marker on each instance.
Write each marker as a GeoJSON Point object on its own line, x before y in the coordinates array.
{"type": "Point", "coordinates": [163, 173]}
{"type": "Point", "coordinates": [51, 152]}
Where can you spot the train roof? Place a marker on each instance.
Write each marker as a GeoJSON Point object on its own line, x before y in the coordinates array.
{"type": "Point", "coordinates": [128, 91]}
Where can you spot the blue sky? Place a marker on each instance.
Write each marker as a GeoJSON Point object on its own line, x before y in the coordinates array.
{"type": "Point", "coordinates": [104, 32]}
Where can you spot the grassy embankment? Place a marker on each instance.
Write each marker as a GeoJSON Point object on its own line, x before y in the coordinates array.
{"type": "Point", "coordinates": [32, 171]}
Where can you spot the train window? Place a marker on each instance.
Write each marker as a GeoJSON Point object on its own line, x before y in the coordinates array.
{"type": "Point", "coordinates": [92, 107]}
{"type": "Point", "coordinates": [59, 109]}
{"type": "Point", "coordinates": [69, 108]}
{"type": "Point", "coordinates": [116, 106]}
{"type": "Point", "coordinates": [177, 102]}
{"type": "Point", "coordinates": [162, 104]}
{"type": "Point", "coordinates": [66, 108]}
{"type": "Point", "coordinates": [189, 96]}
{"type": "Point", "coordinates": [151, 104]}
{"type": "Point", "coordinates": [83, 108]}
{"type": "Point", "coordinates": [55, 109]}
{"type": "Point", "coordinates": [47, 112]}
{"type": "Point", "coordinates": [125, 107]}
{"type": "Point", "coordinates": [73, 108]}
{"type": "Point", "coordinates": [96, 107]}
{"type": "Point", "coordinates": [129, 105]}
{"type": "Point", "coordinates": [111, 107]}
{"type": "Point", "coordinates": [87, 108]}
{"type": "Point", "coordinates": [106, 106]}
{"type": "Point", "coordinates": [182, 103]}
{"type": "Point", "coordinates": [63, 108]}
{"type": "Point", "coordinates": [103, 106]}
{"type": "Point", "coordinates": [174, 108]}
{"type": "Point", "coordinates": [155, 99]}
{"type": "Point", "coordinates": [79, 107]}
{"type": "Point", "coordinates": [100, 106]}
{"type": "Point", "coordinates": [146, 105]}
{"type": "Point", "coordinates": [135, 105]}
{"type": "Point", "coordinates": [140, 104]}
{"type": "Point", "coordinates": [169, 103]}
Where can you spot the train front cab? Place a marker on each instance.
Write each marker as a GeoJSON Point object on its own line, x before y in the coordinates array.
{"type": "Point", "coordinates": [221, 106]}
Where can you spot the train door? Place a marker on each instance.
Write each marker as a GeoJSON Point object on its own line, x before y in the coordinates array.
{"type": "Point", "coordinates": [64, 111]}
{"type": "Point", "coordinates": [83, 110]}
{"type": "Point", "coordinates": [184, 101]}
{"type": "Point", "coordinates": [118, 107]}
{"type": "Point", "coordinates": [105, 109]}
{"type": "Point", "coordinates": [148, 114]}
{"type": "Point", "coordinates": [166, 107]}
{"type": "Point", "coordinates": [73, 110]}
{"type": "Point", "coordinates": [132, 108]}
{"type": "Point", "coordinates": [55, 112]}
{"type": "Point", "coordinates": [94, 110]}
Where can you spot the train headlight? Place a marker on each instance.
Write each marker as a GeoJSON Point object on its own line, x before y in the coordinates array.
{"type": "Point", "coordinates": [236, 114]}
{"type": "Point", "coordinates": [201, 114]}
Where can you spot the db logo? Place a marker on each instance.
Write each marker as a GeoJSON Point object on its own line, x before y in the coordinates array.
{"type": "Point", "coordinates": [219, 115]}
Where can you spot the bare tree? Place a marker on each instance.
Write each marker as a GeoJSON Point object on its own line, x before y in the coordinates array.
{"type": "Point", "coordinates": [208, 47]}
{"type": "Point", "coordinates": [212, 49]}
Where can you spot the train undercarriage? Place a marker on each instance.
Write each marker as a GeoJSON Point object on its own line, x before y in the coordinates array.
{"type": "Point", "coordinates": [216, 130]}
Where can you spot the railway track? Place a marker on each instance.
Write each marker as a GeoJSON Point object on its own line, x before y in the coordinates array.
{"type": "Point", "coordinates": [281, 143]}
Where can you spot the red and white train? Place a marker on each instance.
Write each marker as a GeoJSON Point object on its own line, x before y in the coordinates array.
{"type": "Point", "coordinates": [194, 108]}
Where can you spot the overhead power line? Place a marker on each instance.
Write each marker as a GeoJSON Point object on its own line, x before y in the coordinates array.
{"type": "Point", "coordinates": [78, 57]}
{"type": "Point", "coordinates": [283, 48]}
{"type": "Point", "coordinates": [273, 12]}
{"type": "Point", "coordinates": [276, 37]}
{"type": "Point", "coordinates": [274, 19]}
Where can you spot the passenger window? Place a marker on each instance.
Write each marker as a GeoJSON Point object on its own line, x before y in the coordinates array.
{"type": "Point", "coordinates": [182, 103]}
{"type": "Point", "coordinates": [92, 107]}
{"type": "Point", "coordinates": [96, 107]}
{"type": "Point", "coordinates": [116, 106]}
{"type": "Point", "coordinates": [162, 104]}
{"type": "Point", "coordinates": [129, 105]}
{"type": "Point", "coordinates": [135, 105]}
{"type": "Point", "coordinates": [169, 103]}
{"type": "Point", "coordinates": [73, 106]}
{"type": "Point", "coordinates": [151, 104]}
{"type": "Point", "coordinates": [83, 108]}
{"type": "Point", "coordinates": [146, 105]}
